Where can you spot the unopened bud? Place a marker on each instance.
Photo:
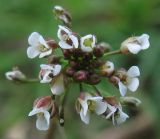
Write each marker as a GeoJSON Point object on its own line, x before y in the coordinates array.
{"type": "Point", "coordinates": [100, 49]}
{"type": "Point", "coordinates": [121, 74]}
{"type": "Point", "coordinates": [80, 75]}
{"type": "Point", "coordinates": [107, 69]}
{"type": "Point", "coordinates": [114, 79]}
{"type": "Point", "coordinates": [15, 75]}
{"type": "Point", "coordinates": [94, 79]}
{"type": "Point", "coordinates": [70, 71]}
{"type": "Point", "coordinates": [53, 60]}
{"type": "Point", "coordinates": [62, 15]}
{"type": "Point", "coordinates": [67, 53]}
{"type": "Point", "coordinates": [130, 101]}
{"type": "Point", "coordinates": [52, 43]}
{"type": "Point", "coordinates": [104, 46]}
{"type": "Point", "coordinates": [111, 100]}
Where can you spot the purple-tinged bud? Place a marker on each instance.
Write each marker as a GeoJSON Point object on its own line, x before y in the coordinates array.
{"type": "Point", "coordinates": [88, 56]}
{"type": "Point", "coordinates": [67, 53]}
{"type": "Point", "coordinates": [52, 44]}
{"type": "Point", "coordinates": [121, 74]}
{"type": "Point", "coordinates": [73, 64]}
{"type": "Point", "coordinates": [94, 79]}
{"type": "Point", "coordinates": [78, 53]}
{"type": "Point", "coordinates": [104, 46]}
{"type": "Point", "coordinates": [70, 71]}
{"type": "Point", "coordinates": [100, 49]}
{"type": "Point", "coordinates": [111, 100]}
{"type": "Point", "coordinates": [54, 60]}
{"type": "Point", "coordinates": [80, 75]}
{"type": "Point", "coordinates": [114, 80]}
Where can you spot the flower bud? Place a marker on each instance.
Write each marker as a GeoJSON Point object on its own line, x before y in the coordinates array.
{"type": "Point", "coordinates": [94, 79]}
{"type": "Point", "coordinates": [52, 44]}
{"type": "Point", "coordinates": [121, 74]}
{"type": "Point", "coordinates": [70, 71]}
{"type": "Point", "coordinates": [62, 15]}
{"type": "Point", "coordinates": [100, 49]}
{"type": "Point", "coordinates": [114, 79]}
{"type": "Point", "coordinates": [15, 75]}
{"type": "Point", "coordinates": [104, 46]}
{"type": "Point", "coordinates": [80, 75]}
{"type": "Point", "coordinates": [111, 100]}
{"type": "Point", "coordinates": [130, 101]}
{"type": "Point", "coordinates": [73, 64]}
{"type": "Point", "coordinates": [53, 60]}
{"type": "Point", "coordinates": [67, 53]}
{"type": "Point", "coordinates": [107, 69]}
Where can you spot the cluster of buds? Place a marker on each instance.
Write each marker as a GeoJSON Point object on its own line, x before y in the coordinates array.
{"type": "Point", "coordinates": [82, 61]}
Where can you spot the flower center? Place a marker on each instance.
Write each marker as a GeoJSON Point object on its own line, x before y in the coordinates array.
{"type": "Point", "coordinates": [42, 48]}
{"type": "Point", "coordinates": [88, 42]}
{"type": "Point", "coordinates": [91, 105]}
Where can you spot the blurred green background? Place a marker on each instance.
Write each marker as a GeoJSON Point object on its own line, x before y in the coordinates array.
{"type": "Point", "coordinates": [111, 21]}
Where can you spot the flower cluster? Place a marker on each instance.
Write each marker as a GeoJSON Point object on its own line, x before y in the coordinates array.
{"type": "Point", "coordinates": [83, 60]}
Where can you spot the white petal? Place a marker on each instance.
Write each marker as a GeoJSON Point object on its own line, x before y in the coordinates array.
{"type": "Point", "coordinates": [144, 40]}
{"type": "Point", "coordinates": [121, 118]}
{"type": "Point", "coordinates": [58, 86]}
{"type": "Point", "coordinates": [43, 42]}
{"type": "Point", "coordinates": [35, 111]}
{"type": "Point", "coordinates": [134, 48]}
{"type": "Point", "coordinates": [46, 67]}
{"type": "Point", "coordinates": [64, 45]}
{"type": "Point", "coordinates": [47, 116]}
{"type": "Point", "coordinates": [133, 71]}
{"type": "Point", "coordinates": [42, 122]}
{"type": "Point", "coordinates": [57, 69]}
{"type": "Point", "coordinates": [85, 118]}
{"type": "Point", "coordinates": [46, 53]}
{"type": "Point", "coordinates": [86, 49]}
{"type": "Point", "coordinates": [32, 52]}
{"type": "Point", "coordinates": [122, 89]}
{"type": "Point", "coordinates": [133, 84]}
{"type": "Point", "coordinates": [46, 78]}
{"type": "Point", "coordinates": [84, 106]}
{"type": "Point", "coordinates": [9, 75]}
{"type": "Point", "coordinates": [33, 39]}
{"type": "Point", "coordinates": [100, 107]}
{"type": "Point", "coordinates": [112, 110]}
{"type": "Point", "coordinates": [74, 40]}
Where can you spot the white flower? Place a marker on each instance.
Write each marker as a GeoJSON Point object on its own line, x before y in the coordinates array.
{"type": "Point", "coordinates": [67, 39]}
{"type": "Point", "coordinates": [88, 104]}
{"type": "Point", "coordinates": [135, 44]}
{"type": "Point", "coordinates": [41, 109]}
{"type": "Point", "coordinates": [15, 74]}
{"type": "Point", "coordinates": [116, 114]}
{"type": "Point", "coordinates": [131, 81]}
{"type": "Point", "coordinates": [38, 46]}
{"type": "Point", "coordinates": [57, 85]}
{"type": "Point", "coordinates": [107, 68]}
{"type": "Point", "coordinates": [88, 42]}
{"type": "Point", "coordinates": [48, 72]}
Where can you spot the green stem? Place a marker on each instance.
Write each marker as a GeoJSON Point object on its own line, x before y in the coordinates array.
{"type": "Point", "coordinates": [29, 80]}
{"type": "Point", "coordinates": [112, 53]}
{"type": "Point", "coordinates": [97, 91]}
